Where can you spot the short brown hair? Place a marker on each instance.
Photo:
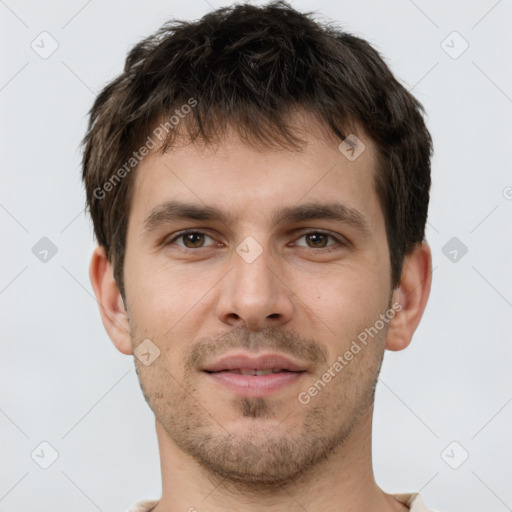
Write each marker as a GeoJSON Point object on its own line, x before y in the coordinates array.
{"type": "Point", "coordinates": [248, 67]}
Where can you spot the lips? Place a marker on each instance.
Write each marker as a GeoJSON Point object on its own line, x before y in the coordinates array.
{"type": "Point", "coordinates": [254, 371]}
{"type": "Point", "coordinates": [261, 376]}
{"type": "Point", "coordinates": [249, 365]}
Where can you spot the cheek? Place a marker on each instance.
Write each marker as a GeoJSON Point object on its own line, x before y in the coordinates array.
{"type": "Point", "coordinates": [348, 293]}
{"type": "Point", "coordinates": [347, 303]}
{"type": "Point", "coordinates": [165, 304]}
{"type": "Point", "coordinates": [160, 295]}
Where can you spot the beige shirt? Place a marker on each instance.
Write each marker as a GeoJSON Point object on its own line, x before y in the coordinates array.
{"type": "Point", "coordinates": [413, 501]}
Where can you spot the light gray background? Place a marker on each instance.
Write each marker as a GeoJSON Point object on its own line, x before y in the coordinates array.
{"type": "Point", "coordinates": [63, 382]}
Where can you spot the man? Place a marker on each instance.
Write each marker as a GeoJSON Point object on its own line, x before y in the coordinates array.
{"type": "Point", "coordinates": [259, 186]}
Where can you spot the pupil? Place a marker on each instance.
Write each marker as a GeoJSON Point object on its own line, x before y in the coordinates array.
{"type": "Point", "coordinates": [191, 236]}
{"type": "Point", "coordinates": [317, 236]}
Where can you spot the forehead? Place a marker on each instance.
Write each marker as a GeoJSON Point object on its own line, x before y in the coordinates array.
{"type": "Point", "coordinates": [250, 183]}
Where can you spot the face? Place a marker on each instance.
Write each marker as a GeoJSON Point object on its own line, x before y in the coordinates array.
{"type": "Point", "coordinates": [257, 273]}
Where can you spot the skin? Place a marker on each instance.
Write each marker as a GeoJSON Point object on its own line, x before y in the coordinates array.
{"type": "Point", "coordinates": [197, 299]}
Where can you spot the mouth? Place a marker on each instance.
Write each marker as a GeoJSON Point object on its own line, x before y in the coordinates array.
{"type": "Point", "coordinates": [252, 371]}
{"type": "Point", "coordinates": [261, 376]}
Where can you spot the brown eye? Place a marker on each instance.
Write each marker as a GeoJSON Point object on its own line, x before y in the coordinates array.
{"type": "Point", "coordinates": [190, 240]}
{"type": "Point", "coordinates": [193, 240]}
{"type": "Point", "coordinates": [317, 239]}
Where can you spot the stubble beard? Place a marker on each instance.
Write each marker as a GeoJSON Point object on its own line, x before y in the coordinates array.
{"type": "Point", "coordinates": [266, 455]}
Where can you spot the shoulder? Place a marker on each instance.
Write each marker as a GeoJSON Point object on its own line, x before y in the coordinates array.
{"type": "Point", "coordinates": [414, 501]}
{"type": "Point", "coordinates": [143, 506]}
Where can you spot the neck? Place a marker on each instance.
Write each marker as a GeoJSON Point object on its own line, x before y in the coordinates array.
{"type": "Point", "coordinates": [344, 482]}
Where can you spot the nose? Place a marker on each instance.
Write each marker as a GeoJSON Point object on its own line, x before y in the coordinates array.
{"type": "Point", "coordinates": [255, 293]}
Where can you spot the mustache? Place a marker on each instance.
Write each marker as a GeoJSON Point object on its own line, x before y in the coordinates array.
{"type": "Point", "coordinates": [286, 342]}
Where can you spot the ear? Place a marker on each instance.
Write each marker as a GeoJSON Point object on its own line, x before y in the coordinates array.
{"type": "Point", "coordinates": [113, 313]}
{"type": "Point", "coordinates": [412, 294]}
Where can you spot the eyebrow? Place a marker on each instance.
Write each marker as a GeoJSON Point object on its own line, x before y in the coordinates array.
{"type": "Point", "coordinates": [171, 211]}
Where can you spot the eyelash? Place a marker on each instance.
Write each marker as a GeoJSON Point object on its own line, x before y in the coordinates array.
{"type": "Point", "coordinates": [329, 248]}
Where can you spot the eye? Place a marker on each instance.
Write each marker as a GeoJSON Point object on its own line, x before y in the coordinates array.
{"type": "Point", "coordinates": [318, 240]}
{"type": "Point", "coordinates": [191, 239]}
